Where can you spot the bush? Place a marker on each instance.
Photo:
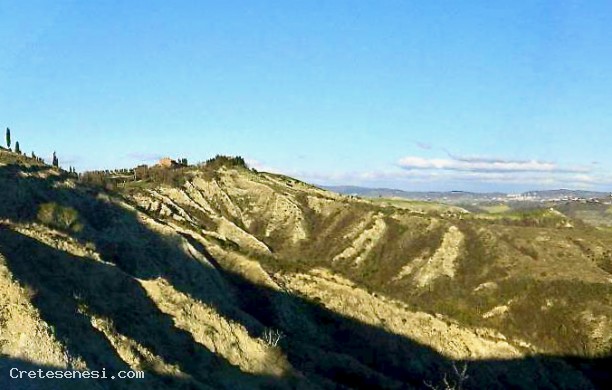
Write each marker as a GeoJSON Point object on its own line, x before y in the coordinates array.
{"type": "Point", "coordinates": [225, 161]}
{"type": "Point", "coordinates": [170, 177]}
{"type": "Point", "coordinates": [112, 180]}
{"type": "Point", "coordinates": [61, 217]}
{"type": "Point", "coordinates": [96, 179]}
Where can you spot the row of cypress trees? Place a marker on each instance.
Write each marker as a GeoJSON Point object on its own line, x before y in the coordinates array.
{"type": "Point", "coordinates": [55, 161]}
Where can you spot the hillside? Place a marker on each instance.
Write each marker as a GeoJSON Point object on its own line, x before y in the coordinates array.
{"type": "Point", "coordinates": [231, 278]}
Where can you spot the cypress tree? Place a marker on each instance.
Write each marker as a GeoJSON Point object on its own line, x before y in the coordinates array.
{"type": "Point", "coordinates": [17, 149]}
{"type": "Point", "coordinates": [8, 138]}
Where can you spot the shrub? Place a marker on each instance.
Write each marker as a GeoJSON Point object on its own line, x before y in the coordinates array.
{"type": "Point", "coordinates": [225, 161]}
{"type": "Point", "coordinates": [98, 179]}
{"type": "Point", "coordinates": [61, 217]}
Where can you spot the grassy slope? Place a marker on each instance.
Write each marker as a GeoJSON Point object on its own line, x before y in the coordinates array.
{"type": "Point", "coordinates": [532, 257]}
{"type": "Point", "coordinates": [179, 285]}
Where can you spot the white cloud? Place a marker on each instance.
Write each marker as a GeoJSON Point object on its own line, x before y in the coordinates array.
{"type": "Point", "coordinates": [263, 167]}
{"type": "Point", "coordinates": [145, 157]}
{"type": "Point", "coordinates": [458, 173]}
{"type": "Point", "coordinates": [479, 164]}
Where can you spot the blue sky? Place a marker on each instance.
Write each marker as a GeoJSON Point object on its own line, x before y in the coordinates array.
{"type": "Point", "coordinates": [415, 95]}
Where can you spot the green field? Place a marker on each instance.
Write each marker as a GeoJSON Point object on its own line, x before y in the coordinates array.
{"type": "Point", "coordinates": [417, 205]}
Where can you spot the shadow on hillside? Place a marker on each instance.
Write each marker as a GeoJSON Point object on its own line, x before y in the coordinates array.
{"type": "Point", "coordinates": [69, 291]}
{"type": "Point", "coordinates": [327, 348]}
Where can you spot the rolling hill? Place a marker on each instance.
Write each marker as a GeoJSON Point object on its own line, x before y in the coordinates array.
{"type": "Point", "coordinates": [218, 276]}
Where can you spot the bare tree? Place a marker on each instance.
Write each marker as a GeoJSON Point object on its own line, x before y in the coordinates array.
{"type": "Point", "coordinates": [460, 377]}
{"type": "Point", "coordinates": [272, 337]}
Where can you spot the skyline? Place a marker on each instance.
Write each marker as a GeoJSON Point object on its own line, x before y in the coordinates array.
{"type": "Point", "coordinates": [479, 97]}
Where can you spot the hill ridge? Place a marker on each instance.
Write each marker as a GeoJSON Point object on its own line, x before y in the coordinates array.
{"type": "Point", "coordinates": [228, 258]}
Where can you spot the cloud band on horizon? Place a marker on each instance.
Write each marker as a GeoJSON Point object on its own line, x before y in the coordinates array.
{"type": "Point", "coordinates": [482, 164]}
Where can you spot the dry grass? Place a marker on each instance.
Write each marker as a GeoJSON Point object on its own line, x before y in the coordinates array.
{"type": "Point", "coordinates": [211, 265]}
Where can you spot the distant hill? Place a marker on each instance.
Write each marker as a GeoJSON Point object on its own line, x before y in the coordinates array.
{"type": "Point", "coordinates": [565, 193]}
{"type": "Point", "coordinates": [453, 196]}
{"type": "Point", "coordinates": [463, 196]}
